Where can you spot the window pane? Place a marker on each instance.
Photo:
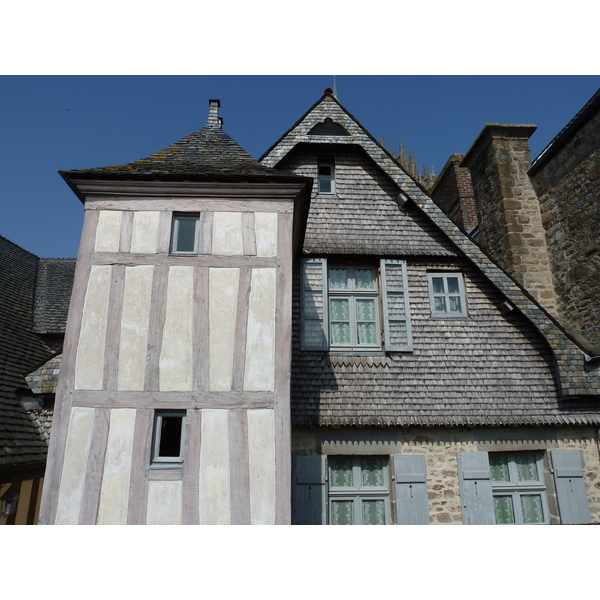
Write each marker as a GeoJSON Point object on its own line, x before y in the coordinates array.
{"type": "Point", "coordinates": [325, 186]}
{"type": "Point", "coordinates": [338, 279]}
{"type": "Point", "coordinates": [186, 234]}
{"type": "Point", "coordinates": [340, 334]}
{"type": "Point", "coordinates": [339, 309]}
{"type": "Point", "coordinates": [364, 279]}
{"type": "Point", "coordinates": [367, 334]}
{"type": "Point", "coordinates": [438, 285]}
{"type": "Point", "coordinates": [372, 470]}
{"type": "Point", "coordinates": [532, 509]}
{"type": "Point", "coordinates": [365, 310]}
{"type": "Point", "coordinates": [499, 467]}
{"type": "Point", "coordinates": [503, 509]}
{"type": "Point", "coordinates": [454, 302]}
{"type": "Point", "coordinates": [170, 436]}
{"type": "Point", "coordinates": [325, 170]}
{"type": "Point", "coordinates": [341, 472]}
{"type": "Point", "coordinates": [527, 467]}
{"type": "Point", "coordinates": [373, 512]}
{"type": "Point", "coordinates": [440, 304]}
{"type": "Point", "coordinates": [452, 283]}
{"type": "Point", "coordinates": [342, 512]}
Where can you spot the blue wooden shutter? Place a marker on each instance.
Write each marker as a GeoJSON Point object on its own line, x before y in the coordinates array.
{"type": "Point", "coordinates": [396, 306]}
{"type": "Point", "coordinates": [475, 488]}
{"type": "Point", "coordinates": [410, 475]}
{"type": "Point", "coordinates": [313, 305]}
{"type": "Point", "coordinates": [570, 487]}
{"type": "Point", "coordinates": [309, 492]}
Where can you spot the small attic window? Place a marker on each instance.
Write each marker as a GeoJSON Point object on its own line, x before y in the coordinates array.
{"type": "Point", "coordinates": [326, 177]}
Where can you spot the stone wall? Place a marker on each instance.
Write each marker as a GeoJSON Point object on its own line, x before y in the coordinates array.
{"type": "Point", "coordinates": [568, 185]}
{"type": "Point", "coordinates": [441, 445]}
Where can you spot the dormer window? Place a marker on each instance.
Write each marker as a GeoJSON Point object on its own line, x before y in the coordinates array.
{"type": "Point", "coordinates": [326, 177]}
{"type": "Point", "coordinates": [184, 236]}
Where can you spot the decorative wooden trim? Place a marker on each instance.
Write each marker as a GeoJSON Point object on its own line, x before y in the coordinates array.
{"type": "Point", "coordinates": [171, 400]}
{"type": "Point", "coordinates": [239, 467]}
{"type": "Point", "coordinates": [249, 235]}
{"type": "Point", "coordinates": [140, 460]}
{"type": "Point", "coordinates": [241, 326]}
{"type": "Point", "coordinates": [60, 421]}
{"type": "Point", "coordinates": [95, 468]}
{"type": "Point", "coordinates": [191, 468]}
{"type": "Point", "coordinates": [183, 260]}
{"type": "Point", "coordinates": [126, 229]}
{"type": "Point", "coordinates": [158, 307]}
{"type": "Point", "coordinates": [113, 329]}
{"type": "Point", "coordinates": [200, 346]}
{"type": "Point", "coordinates": [283, 360]}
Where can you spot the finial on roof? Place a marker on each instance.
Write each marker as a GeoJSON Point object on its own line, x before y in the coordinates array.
{"type": "Point", "coordinates": [335, 87]}
{"type": "Point", "coordinates": [328, 92]}
{"type": "Point", "coordinates": [214, 120]}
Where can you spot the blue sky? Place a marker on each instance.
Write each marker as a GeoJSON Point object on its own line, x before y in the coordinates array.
{"type": "Point", "coordinates": [49, 123]}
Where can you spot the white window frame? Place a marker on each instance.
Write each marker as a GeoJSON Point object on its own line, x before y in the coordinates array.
{"type": "Point", "coordinates": [516, 489]}
{"type": "Point", "coordinates": [447, 314]}
{"type": "Point", "coordinates": [167, 461]}
{"type": "Point", "coordinates": [323, 178]}
{"type": "Point", "coordinates": [357, 494]}
{"type": "Point", "coordinates": [177, 218]}
{"type": "Point", "coordinates": [352, 295]}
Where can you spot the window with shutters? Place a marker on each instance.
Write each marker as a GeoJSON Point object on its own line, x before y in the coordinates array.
{"type": "Point", "coordinates": [358, 491]}
{"type": "Point", "coordinates": [355, 307]}
{"type": "Point", "coordinates": [447, 296]}
{"type": "Point", "coordinates": [518, 490]}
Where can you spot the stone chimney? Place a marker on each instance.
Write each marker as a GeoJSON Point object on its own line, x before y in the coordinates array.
{"type": "Point", "coordinates": [214, 120]}
{"type": "Point", "coordinates": [510, 222]}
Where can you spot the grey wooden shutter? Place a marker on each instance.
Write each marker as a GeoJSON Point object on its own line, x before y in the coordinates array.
{"type": "Point", "coordinates": [309, 493]}
{"type": "Point", "coordinates": [475, 488]}
{"type": "Point", "coordinates": [570, 487]}
{"type": "Point", "coordinates": [313, 305]}
{"type": "Point", "coordinates": [396, 306]}
{"type": "Point", "coordinates": [410, 475]}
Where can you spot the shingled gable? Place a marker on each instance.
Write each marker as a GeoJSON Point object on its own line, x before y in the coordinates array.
{"type": "Point", "coordinates": [206, 155]}
{"type": "Point", "coordinates": [578, 374]}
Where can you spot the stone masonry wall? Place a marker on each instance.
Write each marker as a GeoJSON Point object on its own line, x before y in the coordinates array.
{"type": "Point", "coordinates": [568, 186]}
{"type": "Point", "coordinates": [440, 446]}
{"type": "Point", "coordinates": [510, 219]}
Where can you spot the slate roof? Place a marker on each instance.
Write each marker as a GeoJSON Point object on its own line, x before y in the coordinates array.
{"type": "Point", "coordinates": [577, 376]}
{"type": "Point", "coordinates": [53, 294]}
{"type": "Point", "coordinates": [20, 350]}
{"type": "Point", "coordinates": [206, 154]}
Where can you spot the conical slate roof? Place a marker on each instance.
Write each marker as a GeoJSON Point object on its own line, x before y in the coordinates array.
{"type": "Point", "coordinates": [208, 153]}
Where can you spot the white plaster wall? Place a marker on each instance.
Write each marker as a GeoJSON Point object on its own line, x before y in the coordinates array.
{"type": "Point", "coordinates": [114, 495]}
{"type": "Point", "coordinates": [79, 435]}
{"type": "Point", "coordinates": [144, 233]}
{"type": "Point", "coordinates": [227, 234]}
{"type": "Point", "coordinates": [89, 362]}
{"type": "Point", "coordinates": [261, 457]}
{"type": "Point", "coordinates": [265, 231]}
{"type": "Point", "coordinates": [222, 308]}
{"type": "Point", "coordinates": [135, 321]}
{"type": "Point", "coordinates": [215, 476]}
{"type": "Point", "coordinates": [259, 370]}
{"type": "Point", "coordinates": [108, 232]}
{"type": "Point", "coordinates": [175, 365]}
{"type": "Point", "coordinates": [164, 505]}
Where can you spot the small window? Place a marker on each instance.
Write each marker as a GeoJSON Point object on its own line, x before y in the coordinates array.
{"type": "Point", "coordinates": [168, 439]}
{"type": "Point", "coordinates": [358, 491]}
{"type": "Point", "coordinates": [326, 179]}
{"type": "Point", "coordinates": [447, 296]}
{"type": "Point", "coordinates": [184, 236]}
{"type": "Point", "coordinates": [518, 489]}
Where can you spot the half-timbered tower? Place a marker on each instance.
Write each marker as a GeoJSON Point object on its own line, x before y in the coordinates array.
{"type": "Point", "coordinates": [427, 386]}
{"type": "Point", "coordinates": [173, 400]}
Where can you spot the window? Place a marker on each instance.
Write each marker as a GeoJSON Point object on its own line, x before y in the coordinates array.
{"type": "Point", "coordinates": [184, 236]}
{"type": "Point", "coordinates": [518, 490]}
{"type": "Point", "coordinates": [346, 306]}
{"type": "Point", "coordinates": [358, 491]}
{"type": "Point", "coordinates": [326, 177]}
{"type": "Point", "coordinates": [447, 296]}
{"type": "Point", "coordinates": [168, 439]}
